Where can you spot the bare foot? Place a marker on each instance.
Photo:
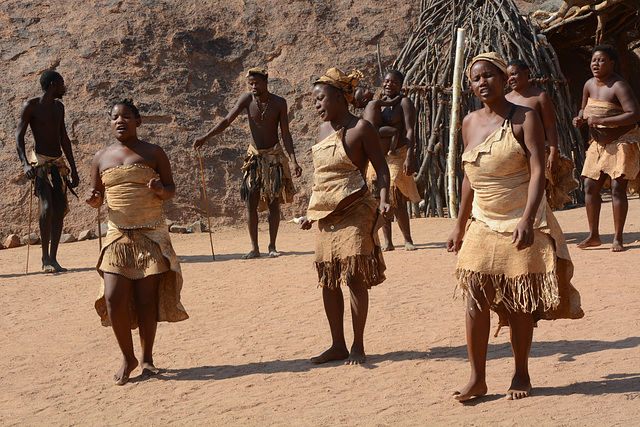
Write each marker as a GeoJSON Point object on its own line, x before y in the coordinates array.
{"type": "Point", "coordinates": [58, 268]}
{"type": "Point", "coordinates": [409, 246]}
{"type": "Point", "coordinates": [148, 369]}
{"type": "Point", "coordinates": [356, 357]}
{"type": "Point", "coordinates": [273, 253]}
{"type": "Point", "coordinates": [590, 242]}
{"type": "Point", "coordinates": [253, 254]}
{"type": "Point", "coordinates": [339, 353]}
{"type": "Point", "coordinates": [470, 391]}
{"type": "Point", "coordinates": [388, 248]}
{"type": "Point", "coordinates": [122, 376]}
{"type": "Point", "coordinates": [520, 388]}
{"type": "Point", "coordinates": [617, 246]}
{"type": "Point", "coordinates": [48, 268]}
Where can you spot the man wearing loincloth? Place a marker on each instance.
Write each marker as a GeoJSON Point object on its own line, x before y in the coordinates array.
{"type": "Point", "coordinates": [347, 247]}
{"type": "Point", "coordinates": [45, 116]}
{"type": "Point", "coordinates": [266, 180]}
{"type": "Point", "coordinates": [399, 153]}
{"type": "Point", "coordinates": [611, 110]}
{"type": "Point", "coordinates": [559, 170]}
{"type": "Point", "coordinates": [512, 256]}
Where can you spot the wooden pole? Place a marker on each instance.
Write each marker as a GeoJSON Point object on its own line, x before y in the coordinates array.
{"type": "Point", "coordinates": [456, 100]}
{"type": "Point", "coordinates": [206, 203]}
{"type": "Point", "coordinates": [26, 268]}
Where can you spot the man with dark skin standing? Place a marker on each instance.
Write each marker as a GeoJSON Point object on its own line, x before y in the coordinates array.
{"type": "Point", "coordinates": [45, 116]}
{"type": "Point", "coordinates": [401, 116]}
{"type": "Point", "coordinates": [261, 187]}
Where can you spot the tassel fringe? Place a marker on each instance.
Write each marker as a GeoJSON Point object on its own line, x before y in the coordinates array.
{"type": "Point", "coordinates": [526, 293]}
{"type": "Point", "coordinates": [336, 273]}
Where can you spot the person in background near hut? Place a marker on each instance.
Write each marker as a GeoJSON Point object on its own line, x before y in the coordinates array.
{"type": "Point", "coordinates": [537, 99]}
{"type": "Point", "coordinates": [611, 110]}
{"type": "Point", "coordinates": [399, 153]}
{"type": "Point", "coordinates": [140, 273]}
{"type": "Point", "coordinates": [347, 246]}
{"type": "Point", "coordinates": [266, 180]}
{"type": "Point", "coordinates": [45, 116]}
{"type": "Point", "coordinates": [363, 98]}
{"type": "Point", "coordinates": [513, 257]}
{"type": "Point", "coordinates": [559, 170]}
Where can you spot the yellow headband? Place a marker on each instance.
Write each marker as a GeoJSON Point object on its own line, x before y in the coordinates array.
{"type": "Point", "coordinates": [491, 57]}
{"type": "Point", "coordinates": [346, 83]}
{"type": "Point", "coordinates": [258, 70]}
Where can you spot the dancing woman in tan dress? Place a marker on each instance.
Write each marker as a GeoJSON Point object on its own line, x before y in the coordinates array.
{"type": "Point", "coordinates": [140, 273]}
{"type": "Point", "coordinates": [514, 258]}
{"type": "Point", "coordinates": [611, 110]}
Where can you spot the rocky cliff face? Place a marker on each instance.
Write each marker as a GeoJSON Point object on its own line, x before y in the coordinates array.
{"type": "Point", "coordinates": [183, 63]}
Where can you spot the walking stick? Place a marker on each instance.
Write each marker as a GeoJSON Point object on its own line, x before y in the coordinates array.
{"type": "Point", "coordinates": [206, 203]}
{"type": "Point", "coordinates": [26, 268]}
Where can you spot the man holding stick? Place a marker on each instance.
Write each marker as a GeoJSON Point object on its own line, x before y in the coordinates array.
{"type": "Point", "coordinates": [266, 180]}
{"type": "Point", "coordinates": [45, 115]}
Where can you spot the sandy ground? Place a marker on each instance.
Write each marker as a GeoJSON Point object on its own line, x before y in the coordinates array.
{"type": "Point", "coordinates": [242, 357]}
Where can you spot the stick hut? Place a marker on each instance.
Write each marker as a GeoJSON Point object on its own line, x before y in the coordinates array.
{"type": "Point", "coordinates": [427, 60]}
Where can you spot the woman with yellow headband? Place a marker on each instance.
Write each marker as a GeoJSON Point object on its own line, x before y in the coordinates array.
{"type": "Point", "coordinates": [514, 258]}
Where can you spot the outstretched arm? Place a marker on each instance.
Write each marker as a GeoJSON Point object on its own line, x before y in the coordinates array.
{"type": "Point", "coordinates": [409, 117]}
{"type": "Point", "coordinates": [65, 143]}
{"type": "Point", "coordinates": [241, 104]}
{"type": "Point", "coordinates": [23, 123]}
{"type": "Point", "coordinates": [287, 140]}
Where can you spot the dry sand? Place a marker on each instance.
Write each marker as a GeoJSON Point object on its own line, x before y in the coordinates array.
{"type": "Point", "coordinates": [242, 357]}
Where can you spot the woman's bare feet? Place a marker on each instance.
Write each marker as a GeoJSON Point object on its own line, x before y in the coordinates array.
{"type": "Point", "coordinates": [590, 242]}
{"type": "Point", "coordinates": [388, 248]}
{"type": "Point", "coordinates": [520, 388]}
{"type": "Point", "coordinates": [617, 246]}
{"type": "Point", "coordinates": [356, 357]}
{"type": "Point", "coordinates": [470, 391]}
{"type": "Point", "coordinates": [122, 376]}
{"type": "Point", "coordinates": [149, 369]}
{"type": "Point", "coordinates": [334, 353]}
{"type": "Point", "coordinates": [409, 246]}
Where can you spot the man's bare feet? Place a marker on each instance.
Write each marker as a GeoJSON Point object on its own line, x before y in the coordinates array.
{"type": "Point", "coordinates": [48, 268]}
{"type": "Point", "coordinates": [253, 254]}
{"type": "Point", "coordinates": [334, 353]}
{"type": "Point", "coordinates": [58, 268]}
{"type": "Point", "coordinates": [356, 357]}
{"type": "Point", "coordinates": [409, 246]}
{"type": "Point", "coordinates": [617, 246]}
{"type": "Point", "coordinates": [122, 376]}
{"type": "Point", "coordinates": [470, 391]}
{"type": "Point", "coordinates": [590, 242]}
{"type": "Point", "coordinates": [148, 369]}
{"type": "Point", "coordinates": [388, 248]}
{"type": "Point", "coordinates": [520, 388]}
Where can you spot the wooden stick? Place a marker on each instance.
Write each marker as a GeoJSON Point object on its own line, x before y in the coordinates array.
{"type": "Point", "coordinates": [26, 268]}
{"type": "Point", "coordinates": [454, 126]}
{"type": "Point", "coordinates": [206, 203]}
